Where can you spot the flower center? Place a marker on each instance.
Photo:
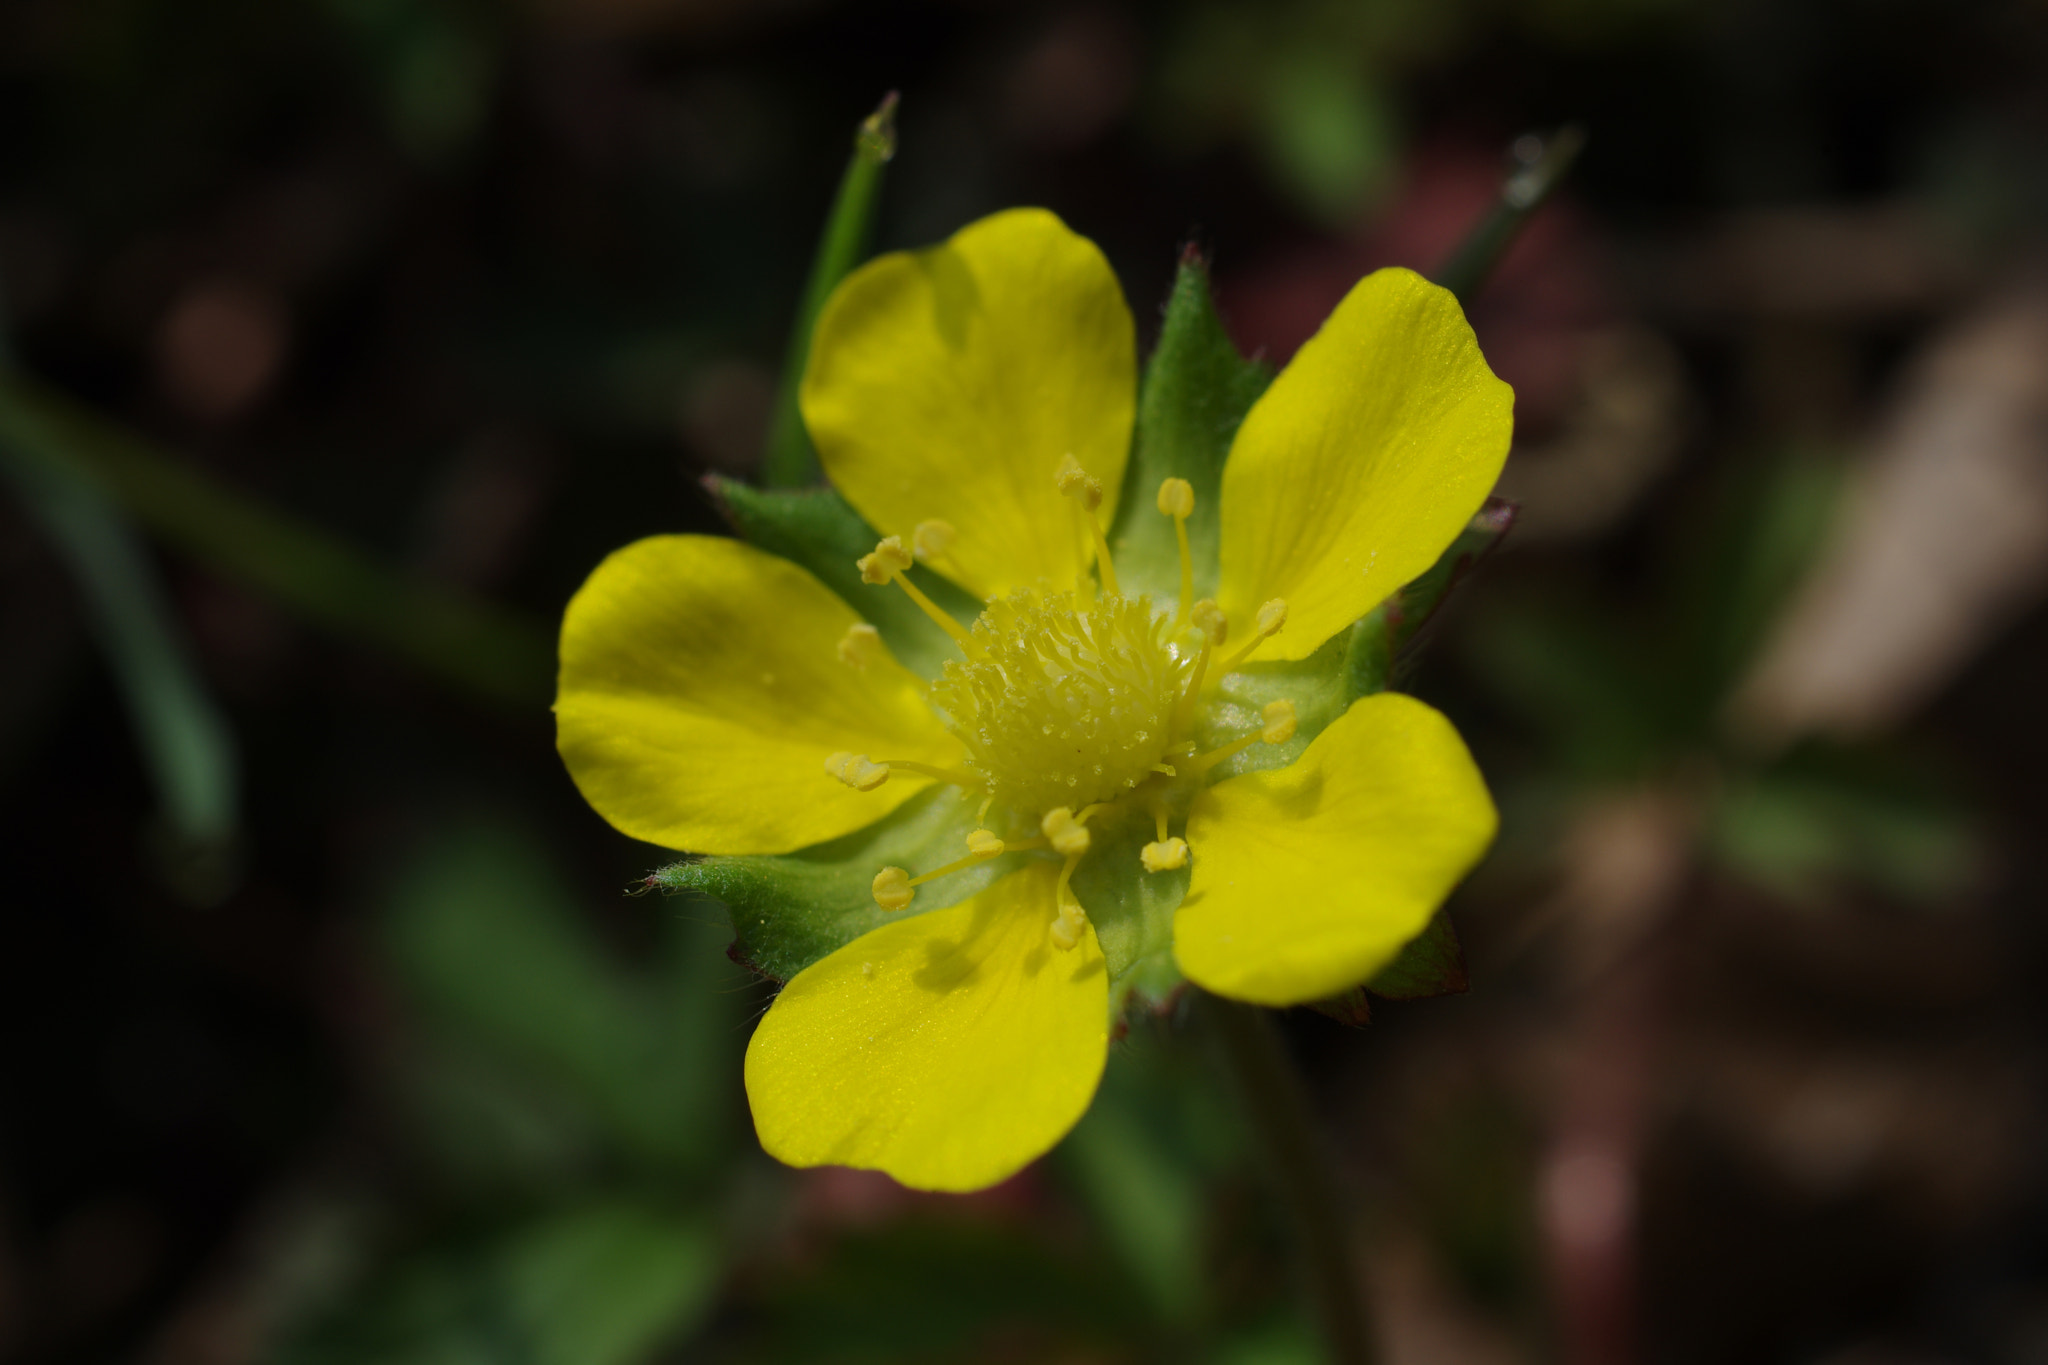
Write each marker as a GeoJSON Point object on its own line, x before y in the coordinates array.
{"type": "Point", "coordinates": [1063, 705]}
{"type": "Point", "coordinates": [1065, 700]}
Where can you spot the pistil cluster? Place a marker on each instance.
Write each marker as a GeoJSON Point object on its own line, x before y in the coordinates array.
{"type": "Point", "coordinates": [1070, 703]}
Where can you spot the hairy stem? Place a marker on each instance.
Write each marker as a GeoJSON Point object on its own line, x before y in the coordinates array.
{"type": "Point", "coordinates": [1281, 1121]}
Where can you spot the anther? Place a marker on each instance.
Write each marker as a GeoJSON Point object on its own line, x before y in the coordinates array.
{"type": "Point", "coordinates": [1066, 930]}
{"type": "Point", "coordinates": [1067, 835]}
{"type": "Point", "coordinates": [1210, 620]}
{"type": "Point", "coordinates": [1164, 856]}
{"type": "Point", "coordinates": [856, 771]}
{"type": "Point", "coordinates": [931, 539]}
{"type": "Point", "coordinates": [887, 563]}
{"type": "Point", "coordinates": [1078, 483]}
{"type": "Point", "coordinates": [891, 888]}
{"type": "Point", "coordinates": [1280, 722]}
{"type": "Point", "coordinates": [1086, 491]}
{"type": "Point", "coordinates": [1177, 500]}
{"type": "Point", "coordinates": [1271, 618]}
{"type": "Point", "coordinates": [860, 646]}
{"type": "Point", "coordinates": [888, 559]}
{"type": "Point", "coordinates": [984, 844]}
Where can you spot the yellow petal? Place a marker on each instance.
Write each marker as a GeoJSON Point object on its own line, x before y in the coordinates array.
{"type": "Point", "coordinates": [1308, 879]}
{"type": "Point", "coordinates": [949, 1049]}
{"type": "Point", "coordinates": [702, 690]}
{"type": "Point", "coordinates": [947, 384]}
{"type": "Point", "coordinates": [1362, 462]}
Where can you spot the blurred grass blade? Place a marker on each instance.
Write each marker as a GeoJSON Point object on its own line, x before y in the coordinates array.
{"type": "Point", "coordinates": [1540, 165]}
{"type": "Point", "coordinates": [484, 932]}
{"type": "Point", "coordinates": [791, 462]}
{"type": "Point", "coordinates": [482, 649]}
{"type": "Point", "coordinates": [185, 742]}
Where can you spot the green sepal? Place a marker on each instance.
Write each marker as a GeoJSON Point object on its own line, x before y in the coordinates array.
{"type": "Point", "coordinates": [1197, 390]}
{"type": "Point", "coordinates": [1433, 963]}
{"type": "Point", "coordinates": [1132, 911]}
{"type": "Point", "coordinates": [1351, 664]}
{"type": "Point", "coordinates": [818, 530]}
{"type": "Point", "coordinates": [1410, 608]}
{"type": "Point", "coordinates": [791, 909]}
{"type": "Point", "coordinates": [1353, 1008]}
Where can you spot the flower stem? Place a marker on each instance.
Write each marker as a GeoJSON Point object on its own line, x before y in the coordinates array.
{"type": "Point", "coordinates": [1277, 1108]}
{"type": "Point", "coordinates": [1540, 163]}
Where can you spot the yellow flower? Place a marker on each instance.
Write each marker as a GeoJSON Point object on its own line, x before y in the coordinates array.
{"type": "Point", "coordinates": [975, 404]}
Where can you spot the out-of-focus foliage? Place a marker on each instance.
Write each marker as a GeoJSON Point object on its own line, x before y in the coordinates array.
{"type": "Point", "coordinates": [378, 322]}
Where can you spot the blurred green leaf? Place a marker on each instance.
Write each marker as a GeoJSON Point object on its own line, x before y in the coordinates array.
{"type": "Point", "coordinates": [815, 528]}
{"type": "Point", "coordinates": [791, 461]}
{"type": "Point", "coordinates": [483, 649]}
{"type": "Point", "coordinates": [928, 1291]}
{"type": "Point", "coordinates": [791, 909]}
{"type": "Point", "coordinates": [433, 65]}
{"type": "Point", "coordinates": [605, 1284]}
{"type": "Point", "coordinates": [1145, 1159]}
{"type": "Point", "coordinates": [1765, 525]}
{"type": "Point", "coordinates": [483, 932]}
{"type": "Point", "coordinates": [1330, 132]}
{"type": "Point", "coordinates": [1803, 833]}
{"type": "Point", "coordinates": [186, 743]}
{"type": "Point", "coordinates": [1196, 392]}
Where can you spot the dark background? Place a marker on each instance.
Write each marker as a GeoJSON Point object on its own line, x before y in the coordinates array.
{"type": "Point", "coordinates": [384, 1066]}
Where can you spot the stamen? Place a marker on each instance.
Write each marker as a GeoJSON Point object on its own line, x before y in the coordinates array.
{"type": "Point", "coordinates": [886, 564]}
{"type": "Point", "coordinates": [1164, 856]}
{"type": "Point", "coordinates": [856, 771]}
{"type": "Point", "coordinates": [969, 861]}
{"type": "Point", "coordinates": [1272, 617]}
{"type": "Point", "coordinates": [1210, 620]}
{"type": "Point", "coordinates": [1177, 500]}
{"type": "Point", "coordinates": [1278, 729]}
{"type": "Point", "coordinates": [1280, 722]}
{"type": "Point", "coordinates": [1184, 709]}
{"type": "Point", "coordinates": [1067, 835]}
{"type": "Point", "coordinates": [860, 646]}
{"type": "Point", "coordinates": [1086, 491]}
{"type": "Point", "coordinates": [891, 888]}
{"type": "Point", "coordinates": [931, 539]}
{"type": "Point", "coordinates": [958, 777]}
{"type": "Point", "coordinates": [1066, 930]}
{"type": "Point", "coordinates": [863, 774]}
